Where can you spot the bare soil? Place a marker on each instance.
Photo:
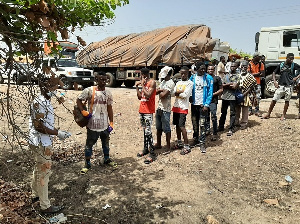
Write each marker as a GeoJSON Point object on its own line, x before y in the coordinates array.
{"type": "Point", "coordinates": [228, 184]}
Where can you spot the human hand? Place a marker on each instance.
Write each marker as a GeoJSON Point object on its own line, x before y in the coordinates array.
{"type": "Point", "coordinates": [86, 114]}
{"type": "Point", "coordinates": [110, 127]}
{"type": "Point", "coordinates": [138, 83]}
{"type": "Point", "coordinates": [276, 84]}
{"type": "Point", "coordinates": [205, 109]}
{"type": "Point", "coordinates": [62, 135]}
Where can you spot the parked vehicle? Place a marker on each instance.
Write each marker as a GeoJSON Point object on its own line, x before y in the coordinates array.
{"type": "Point", "coordinates": [275, 43]}
{"type": "Point", "coordinates": [122, 57]}
{"type": "Point", "coordinates": [69, 72]}
{"type": "Point", "coordinates": [20, 73]}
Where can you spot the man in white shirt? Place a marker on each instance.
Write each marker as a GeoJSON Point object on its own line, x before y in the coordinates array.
{"type": "Point", "coordinates": [183, 91]}
{"type": "Point", "coordinates": [163, 112]}
{"type": "Point", "coordinates": [100, 119]}
{"type": "Point", "coordinates": [41, 132]}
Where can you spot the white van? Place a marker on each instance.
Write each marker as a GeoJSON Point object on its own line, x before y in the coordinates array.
{"type": "Point", "coordinates": [69, 72]}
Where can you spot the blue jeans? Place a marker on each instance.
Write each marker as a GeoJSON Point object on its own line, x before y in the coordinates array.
{"type": "Point", "coordinates": [213, 114]}
{"type": "Point", "coordinates": [91, 139]}
{"type": "Point", "coordinates": [163, 120]}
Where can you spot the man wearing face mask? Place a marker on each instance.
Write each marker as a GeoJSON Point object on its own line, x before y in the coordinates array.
{"type": "Point", "coordinates": [41, 132]}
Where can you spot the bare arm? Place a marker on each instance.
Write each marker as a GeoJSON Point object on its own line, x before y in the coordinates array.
{"type": "Point", "coordinates": [219, 92]}
{"type": "Point", "coordinates": [138, 92]}
{"type": "Point", "coordinates": [40, 127]}
{"type": "Point", "coordinates": [164, 93]}
{"type": "Point", "coordinates": [110, 113]}
{"type": "Point", "coordinates": [150, 90]}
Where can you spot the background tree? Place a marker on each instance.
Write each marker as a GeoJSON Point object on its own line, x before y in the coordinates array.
{"type": "Point", "coordinates": [25, 25]}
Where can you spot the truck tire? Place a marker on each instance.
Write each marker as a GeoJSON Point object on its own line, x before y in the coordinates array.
{"type": "Point", "coordinates": [67, 85]}
{"type": "Point", "coordinates": [111, 80]}
{"type": "Point", "coordinates": [176, 77]}
{"type": "Point", "coordinates": [129, 83]}
{"type": "Point", "coordinates": [270, 87]}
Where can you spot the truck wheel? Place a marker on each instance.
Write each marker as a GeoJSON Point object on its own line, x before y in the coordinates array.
{"type": "Point", "coordinates": [129, 83]}
{"type": "Point", "coordinates": [270, 87]}
{"type": "Point", "coordinates": [67, 85]}
{"type": "Point", "coordinates": [1, 79]}
{"type": "Point", "coordinates": [111, 80]}
{"type": "Point", "coordinates": [176, 77]}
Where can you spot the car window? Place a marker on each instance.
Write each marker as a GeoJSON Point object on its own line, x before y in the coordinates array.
{"type": "Point", "coordinates": [67, 63]}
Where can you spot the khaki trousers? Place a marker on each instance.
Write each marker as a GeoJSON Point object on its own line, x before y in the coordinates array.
{"type": "Point", "coordinates": [41, 173]}
{"type": "Point", "coordinates": [245, 113]}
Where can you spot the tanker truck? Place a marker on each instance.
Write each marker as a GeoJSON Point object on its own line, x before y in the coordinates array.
{"type": "Point", "coordinates": [122, 57]}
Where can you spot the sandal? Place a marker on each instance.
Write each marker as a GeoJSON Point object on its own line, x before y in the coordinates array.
{"type": "Point", "coordinates": [265, 117]}
{"type": "Point", "coordinates": [111, 163]}
{"type": "Point", "coordinates": [141, 154]}
{"type": "Point", "coordinates": [84, 170]}
{"type": "Point", "coordinates": [185, 151]}
{"type": "Point", "coordinates": [149, 159]}
{"type": "Point", "coordinates": [157, 146]}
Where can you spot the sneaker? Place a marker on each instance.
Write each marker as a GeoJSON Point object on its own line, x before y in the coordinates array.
{"type": "Point", "coordinates": [220, 129]}
{"type": "Point", "coordinates": [207, 132]}
{"type": "Point", "coordinates": [214, 138]}
{"type": "Point", "coordinates": [229, 133]}
{"type": "Point", "coordinates": [195, 143]}
{"type": "Point", "coordinates": [111, 163]}
{"type": "Point", "coordinates": [202, 148]}
{"type": "Point", "coordinates": [179, 144]}
{"type": "Point", "coordinates": [186, 149]}
{"type": "Point", "coordinates": [52, 209]}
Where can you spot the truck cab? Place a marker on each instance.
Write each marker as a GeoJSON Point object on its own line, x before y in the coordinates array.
{"type": "Point", "coordinates": [275, 43]}
{"type": "Point", "coordinates": [69, 72]}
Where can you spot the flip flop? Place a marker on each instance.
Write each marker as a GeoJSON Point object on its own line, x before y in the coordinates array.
{"type": "Point", "coordinates": [84, 170]}
{"type": "Point", "coordinates": [111, 163]}
{"type": "Point", "coordinates": [149, 160]}
{"type": "Point", "coordinates": [264, 117]}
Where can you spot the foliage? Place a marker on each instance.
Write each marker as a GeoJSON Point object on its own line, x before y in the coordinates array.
{"type": "Point", "coordinates": [26, 23]}
{"type": "Point", "coordinates": [241, 53]}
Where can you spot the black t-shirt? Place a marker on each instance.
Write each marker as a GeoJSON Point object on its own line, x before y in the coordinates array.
{"type": "Point", "coordinates": [287, 73]}
{"type": "Point", "coordinates": [217, 85]}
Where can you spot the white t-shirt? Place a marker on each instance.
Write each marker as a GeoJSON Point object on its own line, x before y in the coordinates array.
{"type": "Point", "coordinates": [41, 109]}
{"type": "Point", "coordinates": [165, 103]}
{"type": "Point", "coordinates": [182, 101]}
{"type": "Point", "coordinates": [99, 121]}
{"type": "Point", "coordinates": [199, 83]}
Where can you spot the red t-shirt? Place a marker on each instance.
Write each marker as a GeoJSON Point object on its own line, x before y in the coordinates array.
{"type": "Point", "coordinates": [147, 106]}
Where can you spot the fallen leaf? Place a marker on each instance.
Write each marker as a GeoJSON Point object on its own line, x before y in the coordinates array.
{"type": "Point", "coordinates": [272, 201]}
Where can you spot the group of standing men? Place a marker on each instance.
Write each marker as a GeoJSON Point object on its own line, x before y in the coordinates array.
{"type": "Point", "coordinates": [239, 87]}
{"type": "Point", "coordinates": [202, 90]}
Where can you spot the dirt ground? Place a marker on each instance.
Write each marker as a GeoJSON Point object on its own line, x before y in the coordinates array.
{"type": "Point", "coordinates": [228, 184]}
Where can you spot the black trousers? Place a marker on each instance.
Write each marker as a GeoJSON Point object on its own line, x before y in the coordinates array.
{"type": "Point", "coordinates": [225, 105]}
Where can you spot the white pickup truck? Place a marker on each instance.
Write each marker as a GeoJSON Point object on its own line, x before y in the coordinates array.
{"type": "Point", "coordinates": [69, 72]}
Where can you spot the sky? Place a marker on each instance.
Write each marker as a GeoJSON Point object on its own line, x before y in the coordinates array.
{"type": "Point", "coordinates": [235, 21]}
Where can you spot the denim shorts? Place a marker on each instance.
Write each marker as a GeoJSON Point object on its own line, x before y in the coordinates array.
{"type": "Point", "coordinates": [163, 120]}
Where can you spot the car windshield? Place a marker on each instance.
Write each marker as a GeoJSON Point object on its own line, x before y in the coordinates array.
{"type": "Point", "coordinates": [67, 63]}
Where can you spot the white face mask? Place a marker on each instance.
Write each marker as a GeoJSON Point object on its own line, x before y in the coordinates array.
{"type": "Point", "coordinates": [52, 93]}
